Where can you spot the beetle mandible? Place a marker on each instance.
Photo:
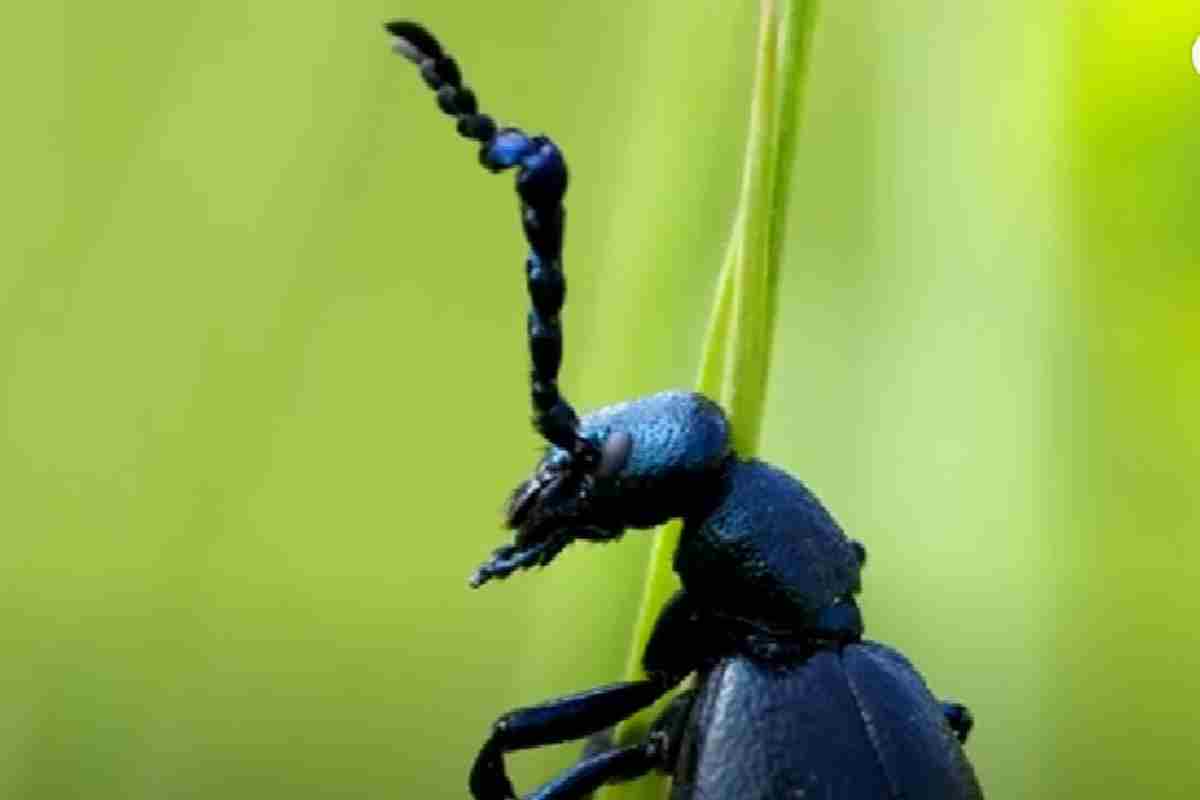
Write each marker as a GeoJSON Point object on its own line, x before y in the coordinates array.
{"type": "Point", "coordinates": [789, 700]}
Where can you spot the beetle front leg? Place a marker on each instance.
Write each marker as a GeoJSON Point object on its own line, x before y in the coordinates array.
{"type": "Point", "coordinates": [560, 720]}
{"type": "Point", "coordinates": [589, 774]}
{"type": "Point", "coordinates": [603, 763]}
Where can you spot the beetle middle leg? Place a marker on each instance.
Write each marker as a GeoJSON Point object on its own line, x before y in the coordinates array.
{"type": "Point", "coordinates": [590, 774]}
{"type": "Point", "coordinates": [613, 764]}
{"type": "Point", "coordinates": [560, 720]}
{"type": "Point", "coordinates": [670, 655]}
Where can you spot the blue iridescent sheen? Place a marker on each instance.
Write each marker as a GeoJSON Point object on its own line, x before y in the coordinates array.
{"type": "Point", "coordinates": [788, 700]}
{"type": "Point", "coordinates": [508, 149]}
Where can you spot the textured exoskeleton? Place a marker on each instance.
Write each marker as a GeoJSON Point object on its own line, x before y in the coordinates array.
{"type": "Point", "coordinates": [789, 700]}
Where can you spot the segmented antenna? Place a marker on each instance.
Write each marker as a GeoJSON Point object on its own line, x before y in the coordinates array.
{"type": "Point", "coordinates": [541, 183]}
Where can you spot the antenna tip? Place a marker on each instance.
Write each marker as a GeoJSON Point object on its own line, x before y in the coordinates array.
{"type": "Point", "coordinates": [412, 41]}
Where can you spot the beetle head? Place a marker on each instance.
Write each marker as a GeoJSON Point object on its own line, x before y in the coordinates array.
{"type": "Point", "coordinates": [567, 497]}
{"type": "Point", "coordinates": [636, 465]}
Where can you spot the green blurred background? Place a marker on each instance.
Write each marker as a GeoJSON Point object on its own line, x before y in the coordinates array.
{"type": "Point", "coordinates": [261, 341]}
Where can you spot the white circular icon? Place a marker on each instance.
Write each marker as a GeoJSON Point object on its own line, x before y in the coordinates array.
{"type": "Point", "coordinates": [1196, 55]}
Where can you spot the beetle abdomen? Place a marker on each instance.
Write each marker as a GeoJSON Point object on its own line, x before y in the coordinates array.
{"type": "Point", "coordinates": [769, 550]}
{"type": "Point", "coordinates": [854, 724]}
{"type": "Point", "coordinates": [761, 732]}
{"type": "Point", "coordinates": [919, 752]}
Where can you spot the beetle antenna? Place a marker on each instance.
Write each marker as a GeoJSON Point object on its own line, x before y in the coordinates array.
{"type": "Point", "coordinates": [541, 183]}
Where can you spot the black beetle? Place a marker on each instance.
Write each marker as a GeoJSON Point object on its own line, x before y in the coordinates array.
{"type": "Point", "coordinates": [789, 700]}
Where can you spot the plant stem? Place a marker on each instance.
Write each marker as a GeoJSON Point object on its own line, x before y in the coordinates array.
{"type": "Point", "coordinates": [737, 347]}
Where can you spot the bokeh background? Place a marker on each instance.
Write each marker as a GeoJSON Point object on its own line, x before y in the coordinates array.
{"type": "Point", "coordinates": [263, 372]}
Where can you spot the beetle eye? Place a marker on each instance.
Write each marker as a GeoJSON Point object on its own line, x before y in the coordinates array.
{"type": "Point", "coordinates": [519, 503]}
{"type": "Point", "coordinates": [614, 453]}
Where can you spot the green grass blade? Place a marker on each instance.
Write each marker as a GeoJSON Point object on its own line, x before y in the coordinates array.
{"type": "Point", "coordinates": [737, 347]}
{"type": "Point", "coordinates": [795, 34]}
